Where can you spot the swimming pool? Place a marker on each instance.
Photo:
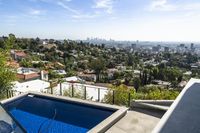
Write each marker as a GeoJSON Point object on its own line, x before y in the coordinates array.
{"type": "Point", "coordinates": [39, 113]}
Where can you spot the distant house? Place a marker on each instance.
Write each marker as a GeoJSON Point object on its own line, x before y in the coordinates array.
{"type": "Point", "coordinates": [194, 66]}
{"type": "Point", "coordinates": [187, 73]}
{"type": "Point", "coordinates": [137, 72]}
{"type": "Point", "coordinates": [151, 62]}
{"type": "Point", "coordinates": [58, 64]}
{"type": "Point", "coordinates": [25, 74]}
{"type": "Point", "coordinates": [37, 62]}
{"type": "Point", "coordinates": [182, 84]}
{"type": "Point", "coordinates": [164, 61]}
{"type": "Point", "coordinates": [60, 72]}
{"type": "Point", "coordinates": [18, 55]}
{"type": "Point", "coordinates": [74, 79]}
{"type": "Point", "coordinates": [160, 82]}
{"type": "Point", "coordinates": [44, 42]}
{"type": "Point", "coordinates": [121, 67]}
{"type": "Point", "coordinates": [111, 72]}
{"type": "Point", "coordinates": [49, 46]}
{"type": "Point", "coordinates": [88, 76]}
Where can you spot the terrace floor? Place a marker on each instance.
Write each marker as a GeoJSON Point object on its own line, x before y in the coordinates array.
{"type": "Point", "coordinates": [138, 121]}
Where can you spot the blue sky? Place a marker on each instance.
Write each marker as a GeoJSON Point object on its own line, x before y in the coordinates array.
{"type": "Point", "coordinates": [150, 20]}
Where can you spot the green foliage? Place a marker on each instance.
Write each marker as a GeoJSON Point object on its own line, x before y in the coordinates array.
{"type": "Point", "coordinates": [97, 65]}
{"type": "Point", "coordinates": [121, 95]}
{"type": "Point", "coordinates": [156, 93]}
{"type": "Point", "coordinates": [25, 63]}
{"type": "Point", "coordinates": [7, 75]}
{"type": "Point", "coordinates": [170, 74]}
{"type": "Point", "coordinates": [39, 65]}
{"type": "Point", "coordinates": [136, 83]}
{"type": "Point", "coordinates": [71, 73]}
{"type": "Point", "coordinates": [54, 75]}
{"type": "Point", "coordinates": [10, 41]}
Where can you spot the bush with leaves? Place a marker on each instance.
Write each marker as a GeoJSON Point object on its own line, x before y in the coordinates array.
{"type": "Point", "coordinates": [7, 75]}
{"type": "Point", "coordinates": [121, 95]}
{"type": "Point", "coordinates": [156, 93]}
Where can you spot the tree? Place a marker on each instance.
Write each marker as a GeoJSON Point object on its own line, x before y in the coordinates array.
{"type": "Point", "coordinates": [156, 93]}
{"type": "Point", "coordinates": [7, 75]}
{"type": "Point", "coordinates": [144, 77]}
{"type": "Point", "coordinates": [10, 42]}
{"type": "Point", "coordinates": [98, 65]}
{"type": "Point", "coordinates": [54, 75]}
{"type": "Point", "coordinates": [121, 95]}
{"type": "Point", "coordinates": [130, 60]}
{"type": "Point", "coordinates": [25, 63]}
{"type": "Point", "coordinates": [136, 83]}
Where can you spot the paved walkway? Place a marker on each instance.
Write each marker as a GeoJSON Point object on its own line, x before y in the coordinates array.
{"type": "Point", "coordinates": [137, 121]}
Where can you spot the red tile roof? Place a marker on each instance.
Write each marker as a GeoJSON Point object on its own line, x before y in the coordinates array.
{"type": "Point", "coordinates": [20, 53]}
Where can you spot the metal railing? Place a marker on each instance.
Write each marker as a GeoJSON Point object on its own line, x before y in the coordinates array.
{"type": "Point", "coordinates": [99, 94]}
{"type": "Point", "coordinates": [109, 96]}
{"type": "Point", "coordinates": [5, 94]}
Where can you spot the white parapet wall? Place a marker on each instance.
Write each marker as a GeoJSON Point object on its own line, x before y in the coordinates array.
{"type": "Point", "coordinates": [184, 108]}
{"type": "Point", "coordinates": [91, 90]}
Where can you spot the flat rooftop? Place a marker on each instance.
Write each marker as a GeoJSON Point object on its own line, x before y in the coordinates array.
{"type": "Point", "coordinates": [181, 117]}
{"type": "Point", "coordinates": [137, 120]}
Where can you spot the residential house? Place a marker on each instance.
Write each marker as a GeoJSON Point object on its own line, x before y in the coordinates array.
{"type": "Point", "coordinates": [60, 72]}
{"type": "Point", "coordinates": [74, 79]}
{"type": "Point", "coordinates": [25, 74]}
{"type": "Point", "coordinates": [18, 55]}
{"type": "Point", "coordinates": [88, 76]}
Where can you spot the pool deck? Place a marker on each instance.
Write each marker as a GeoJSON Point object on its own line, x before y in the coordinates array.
{"type": "Point", "coordinates": [137, 121]}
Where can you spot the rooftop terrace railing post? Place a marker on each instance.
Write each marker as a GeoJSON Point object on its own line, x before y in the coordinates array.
{"type": "Point", "coordinates": [7, 93]}
{"type": "Point", "coordinates": [98, 94]}
{"type": "Point", "coordinates": [12, 93]}
{"type": "Point", "coordinates": [85, 93]}
{"type": "Point", "coordinates": [129, 99]}
{"type": "Point", "coordinates": [72, 90]}
{"type": "Point", "coordinates": [113, 97]}
{"type": "Point", "coordinates": [51, 87]}
{"type": "Point", "coordinates": [51, 90]}
{"type": "Point", "coordinates": [61, 88]}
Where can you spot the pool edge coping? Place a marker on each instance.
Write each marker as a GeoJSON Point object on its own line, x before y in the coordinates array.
{"type": "Point", "coordinates": [101, 127]}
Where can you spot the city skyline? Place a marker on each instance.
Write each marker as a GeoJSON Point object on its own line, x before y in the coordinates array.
{"type": "Point", "coordinates": [147, 20]}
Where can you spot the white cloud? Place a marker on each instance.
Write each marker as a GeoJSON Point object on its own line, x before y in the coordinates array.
{"type": "Point", "coordinates": [107, 5]}
{"type": "Point", "coordinates": [162, 5]}
{"type": "Point", "coordinates": [67, 7]}
{"type": "Point", "coordinates": [77, 14]}
{"type": "Point", "coordinates": [85, 16]}
{"type": "Point", "coordinates": [165, 5]}
{"type": "Point", "coordinates": [191, 6]}
{"type": "Point", "coordinates": [35, 12]}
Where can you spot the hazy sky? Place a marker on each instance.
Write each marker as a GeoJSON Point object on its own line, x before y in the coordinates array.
{"type": "Point", "coordinates": [153, 20]}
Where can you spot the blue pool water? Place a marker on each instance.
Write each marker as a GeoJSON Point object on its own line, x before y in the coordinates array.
{"type": "Point", "coordinates": [37, 124]}
{"type": "Point", "coordinates": [42, 115]}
